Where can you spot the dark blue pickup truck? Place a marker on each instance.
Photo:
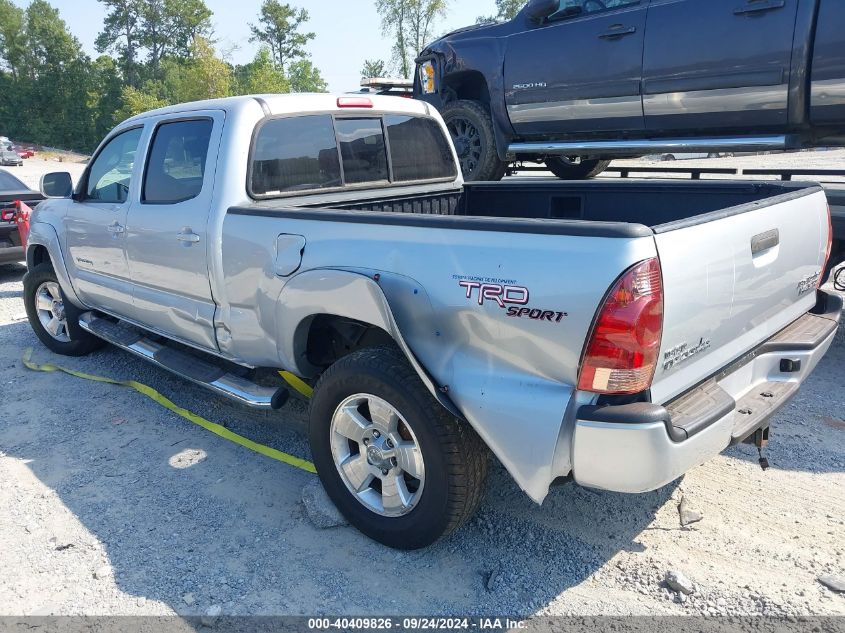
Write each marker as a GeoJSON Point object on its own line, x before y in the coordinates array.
{"type": "Point", "coordinates": [575, 83]}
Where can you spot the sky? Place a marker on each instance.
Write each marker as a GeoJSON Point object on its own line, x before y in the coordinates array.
{"type": "Point", "coordinates": [348, 32]}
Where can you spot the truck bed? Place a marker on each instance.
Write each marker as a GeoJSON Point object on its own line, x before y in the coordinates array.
{"type": "Point", "coordinates": [658, 205]}
{"type": "Point", "coordinates": [739, 263]}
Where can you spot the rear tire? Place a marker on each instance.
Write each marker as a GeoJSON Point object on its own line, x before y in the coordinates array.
{"type": "Point", "coordinates": [370, 406]}
{"type": "Point", "coordinates": [472, 132]}
{"type": "Point", "coordinates": [583, 170]}
{"type": "Point", "coordinates": [55, 320]}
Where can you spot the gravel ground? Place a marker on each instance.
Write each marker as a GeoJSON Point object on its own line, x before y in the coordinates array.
{"type": "Point", "coordinates": [115, 506]}
{"type": "Point", "coordinates": [33, 168]}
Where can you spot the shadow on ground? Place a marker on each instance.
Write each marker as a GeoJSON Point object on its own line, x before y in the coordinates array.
{"type": "Point", "coordinates": [231, 530]}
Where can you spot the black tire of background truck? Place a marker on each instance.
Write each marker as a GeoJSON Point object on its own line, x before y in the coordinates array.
{"type": "Point", "coordinates": [575, 171]}
{"type": "Point", "coordinates": [455, 458]}
{"type": "Point", "coordinates": [81, 342]}
{"type": "Point", "coordinates": [477, 153]}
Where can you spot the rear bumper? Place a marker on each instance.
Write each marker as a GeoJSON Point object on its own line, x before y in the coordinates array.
{"type": "Point", "coordinates": [643, 446]}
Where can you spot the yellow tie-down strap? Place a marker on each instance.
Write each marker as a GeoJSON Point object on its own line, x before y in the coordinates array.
{"type": "Point", "coordinates": [155, 396]}
{"type": "Point", "coordinates": [296, 383]}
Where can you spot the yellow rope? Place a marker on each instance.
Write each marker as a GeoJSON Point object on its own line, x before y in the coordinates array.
{"type": "Point", "coordinates": [152, 394]}
{"type": "Point", "coordinates": [297, 383]}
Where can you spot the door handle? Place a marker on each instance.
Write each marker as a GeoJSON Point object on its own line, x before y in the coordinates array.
{"type": "Point", "coordinates": [755, 8]}
{"type": "Point", "coordinates": [115, 228]}
{"type": "Point", "coordinates": [616, 31]}
{"type": "Point", "coordinates": [764, 241]}
{"type": "Point", "coordinates": [188, 237]}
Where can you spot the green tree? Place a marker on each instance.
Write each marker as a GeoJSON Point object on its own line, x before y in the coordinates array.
{"type": "Point", "coordinates": [170, 27]}
{"type": "Point", "coordinates": [410, 23]}
{"type": "Point", "coordinates": [305, 77]}
{"type": "Point", "coordinates": [105, 92]}
{"type": "Point", "coordinates": [278, 27]}
{"type": "Point", "coordinates": [188, 20]}
{"type": "Point", "coordinates": [505, 10]}
{"type": "Point", "coordinates": [135, 102]}
{"type": "Point", "coordinates": [54, 99]}
{"type": "Point", "coordinates": [203, 76]}
{"type": "Point", "coordinates": [122, 34]}
{"type": "Point", "coordinates": [373, 69]}
{"type": "Point", "coordinates": [12, 46]}
{"type": "Point", "coordinates": [260, 76]}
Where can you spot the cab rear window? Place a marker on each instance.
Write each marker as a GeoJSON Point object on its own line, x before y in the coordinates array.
{"type": "Point", "coordinates": [419, 149]}
{"type": "Point", "coordinates": [319, 152]}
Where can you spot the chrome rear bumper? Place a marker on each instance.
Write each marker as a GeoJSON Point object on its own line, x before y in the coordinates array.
{"type": "Point", "coordinates": [643, 446]}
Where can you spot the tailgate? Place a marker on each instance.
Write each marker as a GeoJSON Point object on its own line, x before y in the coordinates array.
{"type": "Point", "coordinates": [733, 279]}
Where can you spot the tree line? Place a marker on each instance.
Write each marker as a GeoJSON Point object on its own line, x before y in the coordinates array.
{"type": "Point", "coordinates": [411, 24]}
{"type": "Point", "coordinates": [152, 53]}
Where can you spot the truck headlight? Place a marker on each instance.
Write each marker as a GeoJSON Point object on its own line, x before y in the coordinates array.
{"type": "Point", "coordinates": [427, 77]}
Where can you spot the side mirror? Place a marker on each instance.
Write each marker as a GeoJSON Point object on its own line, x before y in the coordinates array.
{"type": "Point", "coordinates": [539, 10]}
{"type": "Point", "coordinates": [57, 184]}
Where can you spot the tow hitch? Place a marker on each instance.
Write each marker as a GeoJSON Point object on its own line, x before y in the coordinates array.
{"type": "Point", "coordinates": [760, 439]}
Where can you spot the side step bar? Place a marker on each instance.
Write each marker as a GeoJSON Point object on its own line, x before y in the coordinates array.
{"type": "Point", "coordinates": [185, 365]}
{"type": "Point", "coordinates": [651, 146]}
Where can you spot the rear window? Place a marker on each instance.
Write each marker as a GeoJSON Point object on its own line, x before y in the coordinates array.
{"type": "Point", "coordinates": [295, 154]}
{"type": "Point", "coordinates": [315, 152]}
{"type": "Point", "coordinates": [362, 150]}
{"type": "Point", "coordinates": [419, 149]}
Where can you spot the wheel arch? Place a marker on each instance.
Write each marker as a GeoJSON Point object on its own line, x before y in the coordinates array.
{"type": "Point", "coordinates": [472, 85]}
{"type": "Point", "coordinates": [315, 297]}
{"type": "Point", "coordinates": [468, 84]}
{"type": "Point", "coordinates": [43, 245]}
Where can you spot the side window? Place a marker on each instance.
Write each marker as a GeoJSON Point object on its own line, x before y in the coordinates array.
{"type": "Point", "coordinates": [176, 165]}
{"type": "Point", "coordinates": [418, 149]}
{"type": "Point", "coordinates": [295, 154]}
{"type": "Point", "coordinates": [362, 149]}
{"type": "Point", "coordinates": [574, 8]}
{"type": "Point", "coordinates": [110, 174]}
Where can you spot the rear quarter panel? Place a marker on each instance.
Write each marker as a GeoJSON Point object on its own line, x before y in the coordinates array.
{"type": "Point", "coordinates": [511, 377]}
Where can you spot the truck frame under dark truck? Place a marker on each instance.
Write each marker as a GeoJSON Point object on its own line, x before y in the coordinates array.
{"type": "Point", "coordinates": [575, 83]}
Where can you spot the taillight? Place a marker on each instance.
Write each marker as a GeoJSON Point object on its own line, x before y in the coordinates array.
{"type": "Point", "coordinates": [621, 353]}
{"type": "Point", "coordinates": [829, 249]}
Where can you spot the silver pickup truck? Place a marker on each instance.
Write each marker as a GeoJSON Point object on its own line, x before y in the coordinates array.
{"type": "Point", "coordinates": [611, 333]}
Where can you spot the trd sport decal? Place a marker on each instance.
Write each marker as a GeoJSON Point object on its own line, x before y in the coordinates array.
{"type": "Point", "coordinates": [509, 297]}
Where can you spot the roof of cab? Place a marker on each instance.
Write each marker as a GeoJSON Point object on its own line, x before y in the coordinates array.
{"type": "Point", "coordinates": [291, 103]}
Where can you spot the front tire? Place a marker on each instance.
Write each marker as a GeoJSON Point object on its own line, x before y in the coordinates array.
{"type": "Point", "coordinates": [472, 132]}
{"type": "Point", "coordinates": [567, 169]}
{"type": "Point", "coordinates": [54, 320]}
{"type": "Point", "coordinates": [398, 466]}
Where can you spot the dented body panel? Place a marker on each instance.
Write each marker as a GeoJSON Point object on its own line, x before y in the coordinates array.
{"type": "Point", "coordinates": [491, 290]}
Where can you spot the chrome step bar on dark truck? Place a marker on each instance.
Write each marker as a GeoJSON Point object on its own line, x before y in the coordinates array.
{"type": "Point", "coordinates": [633, 147]}
{"type": "Point", "coordinates": [183, 364]}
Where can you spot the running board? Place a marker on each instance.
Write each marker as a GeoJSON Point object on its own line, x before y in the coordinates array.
{"type": "Point", "coordinates": [651, 146]}
{"type": "Point", "coordinates": [196, 370]}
